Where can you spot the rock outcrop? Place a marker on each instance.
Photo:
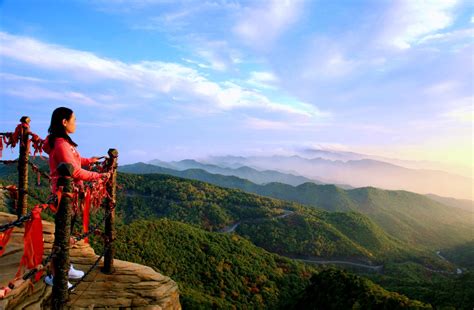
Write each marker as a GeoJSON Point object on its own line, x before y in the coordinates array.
{"type": "Point", "coordinates": [131, 286]}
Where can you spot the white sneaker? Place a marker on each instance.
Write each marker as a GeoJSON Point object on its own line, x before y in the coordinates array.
{"type": "Point", "coordinates": [49, 281]}
{"type": "Point", "coordinates": [74, 273]}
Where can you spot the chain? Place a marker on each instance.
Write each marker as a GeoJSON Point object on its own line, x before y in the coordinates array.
{"type": "Point", "coordinates": [38, 170]}
{"type": "Point", "coordinates": [16, 223]}
{"type": "Point", "coordinates": [52, 199]}
{"type": "Point", "coordinates": [9, 162]}
{"type": "Point", "coordinates": [45, 261]}
{"type": "Point", "coordinates": [90, 269]}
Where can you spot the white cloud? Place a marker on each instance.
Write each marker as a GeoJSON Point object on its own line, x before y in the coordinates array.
{"type": "Point", "coordinates": [39, 93]}
{"type": "Point", "coordinates": [324, 60]}
{"type": "Point", "coordinates": [263, 124]}
{"type": "Point", "coordinates": [260, 26]}
{"type": "Point", "coordinates": [33, 92]}
{"type": "Point", "coordinates": [213, 54]}
{"type": "Point", "coordinates": [262, 79]}
{"type": "Point", "coordinates": [442, 87]}
{"type": "Point", "coordinates": [457, 35]}
{"type": "Point", "coordinates": [409, 21]}
{"type": "Point", "coordinates": [151, 78]}
{"type": "Point", "coordinates": [460, 111]}
{"type": "Point", "coordinates": [54, 57]}
{"type": "Point", "coordinates": [326, 146]}
{"type": "Point", "coordinates": [15, 77]}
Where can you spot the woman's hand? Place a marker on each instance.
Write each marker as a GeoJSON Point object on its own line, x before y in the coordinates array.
{"type": "Point", "coordinates": [94, 159]}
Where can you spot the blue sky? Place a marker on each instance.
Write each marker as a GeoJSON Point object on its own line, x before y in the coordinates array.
{"type": "Point", "coordinates": [186, 79]}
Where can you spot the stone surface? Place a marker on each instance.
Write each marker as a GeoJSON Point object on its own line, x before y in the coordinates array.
{"type": "Point", "coordinates": [131, 286]}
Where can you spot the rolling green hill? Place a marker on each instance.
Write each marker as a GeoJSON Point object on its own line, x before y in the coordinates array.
{"type": "Point", "coordinates": [213, 270]}
{"type": "Point", "coordinates": [307, 231]}
{"type": "Point", "coordinates": [462, 255]}
{"type": "Point", "coordinates": [222, 271]}
{"type": "Point", "coordinates": [409, 217]}
{"type": "Point", "coordinates": [350, 292]}
{"type": "Point", "coordinates": [441, 289]}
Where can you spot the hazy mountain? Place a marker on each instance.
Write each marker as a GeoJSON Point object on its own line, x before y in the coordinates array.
{"type": "Point", "coordinates": [259, 177]}
{"type": "Point", "coordinates": [457, 203]}
{"type": "Point", "coordinates": [412, 164]}
{"type": "Point", "coordinates": [360, 173]}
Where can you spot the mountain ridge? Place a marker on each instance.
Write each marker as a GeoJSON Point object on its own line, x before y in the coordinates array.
{"type": "Point", "coordinates": [359, 173]}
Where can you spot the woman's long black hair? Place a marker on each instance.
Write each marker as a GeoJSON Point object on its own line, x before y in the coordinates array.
{"type": "Point", "coordinates": [57, 129]}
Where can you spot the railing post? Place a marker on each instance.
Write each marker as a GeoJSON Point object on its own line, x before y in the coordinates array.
{"type": "Point", "coordinates": [110, 208]}
{"type": "Point", "coordinates": [23, 167]}
{"type": "Point", "coordinates": [62, 234]}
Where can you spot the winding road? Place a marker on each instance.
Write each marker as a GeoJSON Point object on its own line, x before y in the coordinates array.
{"type": "Point", "coordinates": [231, 228]}
{"type": "Point", "coordinates": [377, 268]}
{"type": "Point", "coordinates": [458, 270]}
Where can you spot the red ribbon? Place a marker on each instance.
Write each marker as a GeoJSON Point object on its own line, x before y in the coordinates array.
{"type": "Point", "coordinates": [11, 139]}
{"type": "Point", "coordinates": [85, 212]}
{"type": "Point", "coordinates": [4, 238]}
{"type": "Point", "coordinates": [37, 144]}
{"type": "Point", "coordinates": [33, 242]}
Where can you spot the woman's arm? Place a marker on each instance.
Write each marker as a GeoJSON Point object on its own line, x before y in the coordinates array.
{"type": "Point", "coordinates": [85, 162]}
{"type": "Point", "coordinates": [64, 153]}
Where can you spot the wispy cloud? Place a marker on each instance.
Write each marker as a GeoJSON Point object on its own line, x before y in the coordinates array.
{"type": "Point", "coordinates": [410, 22]}
{"type": "Point", "coordinates": [55, 57]}
{"type": "Point", "coordinates": [460, 111]}
{"type": "Point", "coordinates": [39, 93]}
{"type": "Point", "coordinates": [446, 37]}
{"type": "Point", "coordinates": [16, 77]}
{"type": "Point", "coordinates": [262, 124]}
{"type": "Point", "coordinates": [261, 25]}
{"type": "Point", "coordinates": [215, 54]}
{"type": "Point", "coordinates": [262, 79]}
{"type": "Point", "coordinates": [169, 79]}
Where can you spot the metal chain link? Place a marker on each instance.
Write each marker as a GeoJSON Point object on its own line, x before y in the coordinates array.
{"type": "Point", "coordinates": [8, 162]}
{"type": "Point", "coordinates": [38, 170]}
{"type": "Point", "coordinates": [52, 199]}
{"type": "Point", "coordinates": [90, 269]}
{"type": "Point", "coordinates": [45, 261]}
{"type": "Point", "coordinates": [16, 223]}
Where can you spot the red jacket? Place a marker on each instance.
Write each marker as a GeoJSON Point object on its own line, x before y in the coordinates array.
{"type": "Point", "coordinates": [63, 151]}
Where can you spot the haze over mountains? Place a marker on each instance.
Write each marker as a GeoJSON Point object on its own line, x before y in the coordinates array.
{"type": "Point", "coordinates": [344, 168]}
{"type": "Point", "coordinates": [412, 164]}
{"type": "Point", "coordinates": [245, 172]}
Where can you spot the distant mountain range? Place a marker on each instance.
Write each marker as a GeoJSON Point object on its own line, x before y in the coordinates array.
{"type": "Point", "coordinates": [458, 203]}
{"type": "Point", "coordinates": [412, 164]}
{"type": "Point", "coordinates": [244, 172]}
{"type": "Point", "coordinates": [358, 173]}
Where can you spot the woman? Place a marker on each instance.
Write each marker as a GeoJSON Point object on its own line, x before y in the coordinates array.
{"type": "Point", "coordinates": [61, 149]}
